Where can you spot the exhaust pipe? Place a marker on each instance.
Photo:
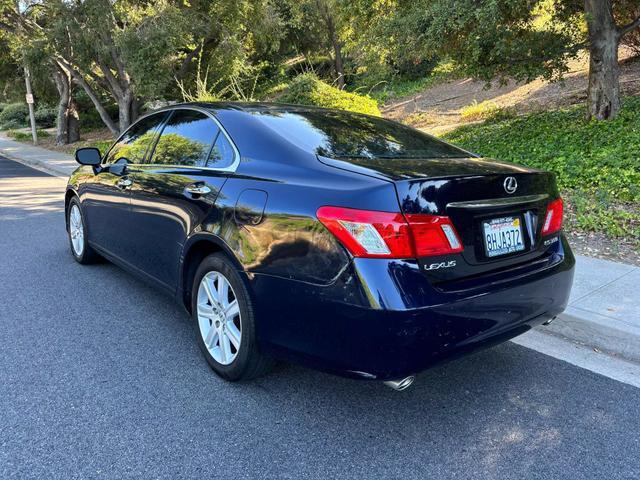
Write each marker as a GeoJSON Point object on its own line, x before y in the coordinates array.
{"type": "Point", "coordinates": [547, 322]}
{"type": "Point", "coordinates": [401, 384]}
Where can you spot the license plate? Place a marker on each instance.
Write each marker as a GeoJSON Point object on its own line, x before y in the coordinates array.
{"type": "Point", "coordinates": [503, 236]}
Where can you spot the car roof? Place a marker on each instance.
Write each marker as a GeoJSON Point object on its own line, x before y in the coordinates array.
{"type": "Point", "coordinates": [255, 107]}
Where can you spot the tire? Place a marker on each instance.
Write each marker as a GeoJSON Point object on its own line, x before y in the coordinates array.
{"type": "Point", "coordinates": [227, 340]}
{"type": "Point", "coordinates": [78, 238]}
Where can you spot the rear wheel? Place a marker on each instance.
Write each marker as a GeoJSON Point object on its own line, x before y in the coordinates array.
{"type": "Point", "coordinates": [80, 249]}
{"type": "Point", "coordinates": [224, 321]}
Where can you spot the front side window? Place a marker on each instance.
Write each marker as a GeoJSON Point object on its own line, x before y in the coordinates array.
{"type": "Point", "coordinates": [134, 143]}
{"type": "Point", "coordinates": [185, 140]}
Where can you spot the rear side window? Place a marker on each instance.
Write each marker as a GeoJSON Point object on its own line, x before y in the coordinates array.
{"type": "Point", "coordinates": [135, 142]}
{"type": "Point", "coordinates": [222, 154]}
{"type": "Point", "coordinates": [185, 140]}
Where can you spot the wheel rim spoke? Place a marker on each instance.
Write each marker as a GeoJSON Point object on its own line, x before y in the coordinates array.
{"type": "Point", "coordinates": [205, 310]}
{"type": "Point", "coordinates": [234, 334]}
{"type": "Point", "coordinates": [207, 284]}
{"type": "Point", "coordinates": [225, 347]}
{"type": "Point", "coordinates": [223, 290]}
{"type": "Point", "coordinates": [211, 337]}
{"type": "Point", "coordinates": [231, 310]}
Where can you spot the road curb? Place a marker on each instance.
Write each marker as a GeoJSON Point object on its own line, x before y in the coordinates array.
{"type": "Point", "coordinates": [613, 337]}
{"type": "Point", "coordinates": [37, 164]}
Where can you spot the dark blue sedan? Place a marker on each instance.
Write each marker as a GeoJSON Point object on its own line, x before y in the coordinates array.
{"type": "Point", "coordinates": [344, 242]}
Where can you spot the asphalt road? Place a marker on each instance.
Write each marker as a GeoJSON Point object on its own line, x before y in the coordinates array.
{"type": "Point", "coordinates": [100, 377]}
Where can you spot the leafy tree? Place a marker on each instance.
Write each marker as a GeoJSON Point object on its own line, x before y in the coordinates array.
{"type": "Point", "coordinates": [22, 42]}
{"type": "Point", "coordinates": [127, 51]}
{"type": "Point", "coordinates": [10, 72]}
{"type": "Point", "coordinates": [318, 26]}
{"type": "Point", "coordinates": [507, 37]}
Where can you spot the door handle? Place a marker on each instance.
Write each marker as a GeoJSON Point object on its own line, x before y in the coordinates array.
{"type": "Point", "coordinates": [197, 189]}
{"type": "Point", "coordinates": [124, 182]}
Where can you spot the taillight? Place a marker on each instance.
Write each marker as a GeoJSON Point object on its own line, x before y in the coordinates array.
{"type": "Point", "coordinates": [553, 217]}
{"type": "Point", "coordinates": [433, 235]}
{"type": "Point", "coordinates": [371, 234]}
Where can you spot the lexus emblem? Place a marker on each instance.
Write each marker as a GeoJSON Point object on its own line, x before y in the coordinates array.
{"type": "Point", "coordinates": [510, 184]}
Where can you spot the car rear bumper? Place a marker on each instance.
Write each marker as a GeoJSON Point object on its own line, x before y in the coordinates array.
{"type": "Point", "coordinates": [384, 320]}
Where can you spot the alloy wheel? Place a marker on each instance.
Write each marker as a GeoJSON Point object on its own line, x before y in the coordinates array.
{"type": "Point", "coordinates": [76, 230]}
{"type": "Point", "coordinates": [219, 317]}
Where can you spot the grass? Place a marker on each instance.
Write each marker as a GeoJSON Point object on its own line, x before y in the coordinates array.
{"type": "Point", "coordinates": [21, 136]}
{"type": "Point", "coordinates": [597, 164]}
{"type": "Point", "coordinates": [484, 111]}
{"type": "Point", "coordinates": [421, 119]}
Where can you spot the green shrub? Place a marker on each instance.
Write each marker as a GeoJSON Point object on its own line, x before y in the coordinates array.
{"type": "Point", "coordinates": [90, 118]}
{"type": "Point", "coordinates": [307, 89]}
{"type": "Point", "coordinates": [23, 136]}
{"type": "Point", "coordinates": [11, 124]}
{"type": "Point", "coordinates": [16, 113]}
{"type": "Point", "coordinates": [46, 116]}
{"type": "Point", "coordinates": [479, 111]}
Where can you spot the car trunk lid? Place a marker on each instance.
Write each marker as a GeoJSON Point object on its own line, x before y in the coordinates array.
{"type": "Point", "coordinates": [484, 199]}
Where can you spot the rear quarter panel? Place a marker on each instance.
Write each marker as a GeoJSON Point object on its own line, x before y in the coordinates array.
{"type": "Point", "coordinates": [287, 240]}
{"type": "Point", "coordinates": [278, 233]}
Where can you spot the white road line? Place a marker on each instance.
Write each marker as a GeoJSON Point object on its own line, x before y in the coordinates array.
{"type": "Point", "coordinates": [581, 356]}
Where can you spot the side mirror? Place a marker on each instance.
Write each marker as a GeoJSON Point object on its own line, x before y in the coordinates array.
{"type": "Point", "coordinates": [88, 156]}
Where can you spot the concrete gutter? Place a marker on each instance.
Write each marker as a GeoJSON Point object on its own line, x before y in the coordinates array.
{"type": "Point", "coordinates": [603, 311]}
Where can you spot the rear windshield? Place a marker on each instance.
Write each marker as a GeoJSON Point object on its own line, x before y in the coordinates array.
{"type": "Point", "coordinates": [337, 134]}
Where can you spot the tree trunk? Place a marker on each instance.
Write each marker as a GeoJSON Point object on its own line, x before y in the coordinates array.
{"type": "Point", "coordinates": [338, 63]}
{"type": "Point", "coordinates": [124, 112]}
{"type": "Point", "coordinates": [337, 54]}
{"type": "Point", "coordinates": [128, 108]}
{"type": "Point", "coordinates": [604, 86]}
{"type": "Point", "coordinates": [135, 109]}
{"type": "Point", "coordinates": [67, 124]}
{"type": "Point", "coordinates": [62, 84]}
{"type": "Point", "coordinates": [79, 78]}
{"type": "Point", "coordinates": [73, 119]}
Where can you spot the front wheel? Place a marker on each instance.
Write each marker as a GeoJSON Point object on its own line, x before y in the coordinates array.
{"type": "Point", "coordinates": [224, 321]}
{"type": "Point", "coordinates": [80, 249]}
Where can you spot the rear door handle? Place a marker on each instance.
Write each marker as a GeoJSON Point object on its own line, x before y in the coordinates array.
{"type": "Point", "coordinates": [197, 189]}
{"type": "Point", "coordinates": [124, 182]}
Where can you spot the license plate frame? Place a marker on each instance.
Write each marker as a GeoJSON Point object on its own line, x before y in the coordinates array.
{"type": "Point", "coordinates": [502, 236]}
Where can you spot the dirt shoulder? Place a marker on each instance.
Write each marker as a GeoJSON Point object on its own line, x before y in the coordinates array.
{"type": "Point", "coordinates": [437, 109]}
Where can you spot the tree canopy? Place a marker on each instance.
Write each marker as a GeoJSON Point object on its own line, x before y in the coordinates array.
{"type": "Point", "coordinates": [119, 55]}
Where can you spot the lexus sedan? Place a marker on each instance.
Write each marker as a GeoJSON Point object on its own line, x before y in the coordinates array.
{"type": "Point", "coordinates": [344, 242]}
